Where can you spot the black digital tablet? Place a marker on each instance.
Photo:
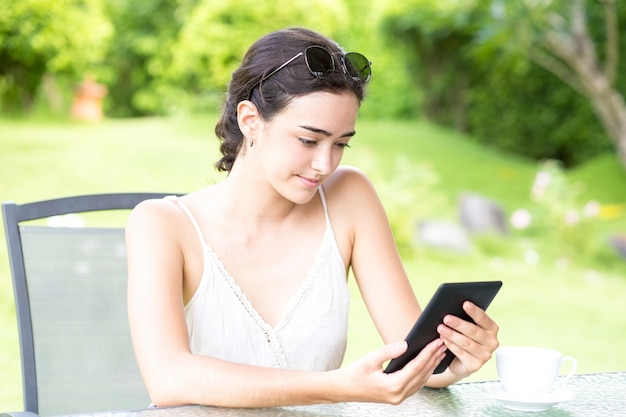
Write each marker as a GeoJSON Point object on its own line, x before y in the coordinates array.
{"type": "Point", "coordinates": [448, 299]}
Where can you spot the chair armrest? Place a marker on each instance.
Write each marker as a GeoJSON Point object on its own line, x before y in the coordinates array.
{"type": "Point", "coordinates": [19, 414]}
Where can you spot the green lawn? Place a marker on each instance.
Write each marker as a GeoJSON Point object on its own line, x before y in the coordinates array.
{"type": "Point", "coordinates": [578, 309]}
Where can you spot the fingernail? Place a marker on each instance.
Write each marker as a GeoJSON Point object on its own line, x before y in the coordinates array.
{"type": "Point", "coordinates": [399, 346]}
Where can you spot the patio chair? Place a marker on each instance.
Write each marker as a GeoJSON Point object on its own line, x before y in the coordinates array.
{"type": "Point", "coordinates": [69, 284]}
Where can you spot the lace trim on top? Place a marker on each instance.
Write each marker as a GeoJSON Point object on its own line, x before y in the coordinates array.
{"type": "Point", "coordinates": [292, 306]}
{"type": "Point", "coordinates": [294, 303]}
{"type": "Point", "coordinates": [311, 278]}
{"type": "Point", "coordinates": [270, 334]}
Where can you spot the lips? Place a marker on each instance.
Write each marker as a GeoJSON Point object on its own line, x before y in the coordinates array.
{"type": "Point", "coordinates": [309, 182]}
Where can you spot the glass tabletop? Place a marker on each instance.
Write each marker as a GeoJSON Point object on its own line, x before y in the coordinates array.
{"type": "Point", "coordinates": [602, 394]}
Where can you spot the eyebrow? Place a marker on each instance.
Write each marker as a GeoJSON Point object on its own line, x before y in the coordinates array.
{"type": "Point", "coordinates": [326, 132]}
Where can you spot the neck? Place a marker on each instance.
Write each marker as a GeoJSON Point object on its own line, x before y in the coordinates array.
{"type": "Point", "coordinates": [252, 200]}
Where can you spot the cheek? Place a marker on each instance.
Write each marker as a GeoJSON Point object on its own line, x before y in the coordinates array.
{"type": "Point", "coordinates": [337, 157]}
{"type": "Point", "coordinates": [282, 156]}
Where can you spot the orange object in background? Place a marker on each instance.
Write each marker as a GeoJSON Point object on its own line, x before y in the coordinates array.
{"type": "Point", "coordinates": [88, 98]}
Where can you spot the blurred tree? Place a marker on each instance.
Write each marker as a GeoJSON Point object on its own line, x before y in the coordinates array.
{"type": "Point", "coordinates": [556, 35]}
{"type": "Point", "coordinates": [475, 61]}
{"type": "Point", "coordinates": [194, 68]}
{"type": "Point", "coordinates": [38, 37]}
{"type": "Point", "coordinates": [389, 95]}
{"type": "Point", "coordinates": [437, 33]}
{"type": "Point", "coordinates": [145, 32]}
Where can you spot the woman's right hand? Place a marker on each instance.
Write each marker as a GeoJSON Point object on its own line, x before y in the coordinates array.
{"type": "Point", "coordinates": [368, 382]}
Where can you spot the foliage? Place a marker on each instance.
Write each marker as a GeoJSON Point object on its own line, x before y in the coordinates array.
{"type": "Point", "coordinates": [40, 37]}
{"type": "Point", "coordinates": [195, 65]}
{"type": "Point", "coordinates": [390, 94]}
{"type": "Point", "coordinates": [192, 71]}
{"type": "Point", "coordinates": [164, 56]}
{"type": "Point", "coordinates": [531, 113]}
{"type": "Point", "coordinates": [576, 42]}
{"type": "Point", "coordinates": [144, 35]}
{"type": "Point", "coordinates": [475, 74]}
{"type": "Point", "coordinates": [435, 34]}
{"type": "Point", "coordinates": [565, 229]}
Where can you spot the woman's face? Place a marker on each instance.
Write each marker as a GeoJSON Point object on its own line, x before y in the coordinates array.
{"type": "Point", "coordinates": [301, 146]}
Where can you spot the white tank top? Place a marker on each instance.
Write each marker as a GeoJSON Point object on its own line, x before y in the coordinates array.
{"type": "Point", "coordinates": [312, 333]}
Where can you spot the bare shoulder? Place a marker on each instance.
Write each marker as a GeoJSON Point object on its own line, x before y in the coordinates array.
{"type": "Point", "coordinates": [154, 216]}
{"type": "Point", "coordinates": [352, 203]}
{"type": "Point", "coordinates": [349, 187]}
{"type": "Point", "coordinates": [153, 209]}
{"type": "Point", "coordinates": [350, 179]}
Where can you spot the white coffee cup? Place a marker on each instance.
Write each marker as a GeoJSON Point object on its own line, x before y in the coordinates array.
{"type": "Point", "coordinates": [531, 371]}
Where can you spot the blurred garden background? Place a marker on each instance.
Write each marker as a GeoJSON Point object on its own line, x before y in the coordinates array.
{"type": "Point", "coordinates": [518, 103]}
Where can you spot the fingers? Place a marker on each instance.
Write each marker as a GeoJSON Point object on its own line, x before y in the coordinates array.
{"type": "Point", "coordinates": [375, 359]}
{"type": "Point", "coordinates": [372, 384]}
{"type": "Point", "coordinates": [428, 359]}
{"type": "Point", "coordinates": [484, 331]}
{"type": "Point", "coordinates": [421, 366]}
{"type": "Point", "coordinates": [393, 350]}
{"type": "Point", "coordinates": [473, 344]}
{"type": "Point", "coordinates": [430, 353]}
{"type": "Point", "coordinates": [416, 373]}
{"type": "Point", "coordinates": [479, 316]}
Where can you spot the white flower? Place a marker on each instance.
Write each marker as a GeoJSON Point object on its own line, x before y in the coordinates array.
{"type": "Point", "coordinates": [542, 180]}
{"type": "Point", "coordinates": [591, 209]}
{"type": "Point", "coordinates": [531, 257]}
{"type": "Point", "coordinates": [572, 217]}
{"type": "Point", "coordinates": [521, 219]}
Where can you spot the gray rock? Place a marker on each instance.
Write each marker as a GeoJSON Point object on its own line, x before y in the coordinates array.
{"type": "Point", "coordinates": [443, 235]}
{"type": "Point", "coordinates": [479, 215]}
{"type": "Point", "coordinates": [618, 242]}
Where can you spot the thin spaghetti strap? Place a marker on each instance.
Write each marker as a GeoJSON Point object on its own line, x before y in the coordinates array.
{"type": "Point", "coordinates": [190, 215]}
{"type": "Point", "coordinates": [323, 198]}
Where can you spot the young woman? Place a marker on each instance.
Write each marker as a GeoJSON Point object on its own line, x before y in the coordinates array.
{"type": "Point", "coordinates": [237, 292]}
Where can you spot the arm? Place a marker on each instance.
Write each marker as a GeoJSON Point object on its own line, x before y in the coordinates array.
{"type": "Point", "coordinates": [174, 375]}
{"type": "Point", "coordinates": [385, 287]}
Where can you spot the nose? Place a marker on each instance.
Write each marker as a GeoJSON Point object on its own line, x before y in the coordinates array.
{"type": "Point", "coordinates": [323, 161]}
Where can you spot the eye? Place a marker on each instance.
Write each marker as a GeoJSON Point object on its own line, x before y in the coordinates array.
{"type": "Point", "coordinates": [342, 145]}
{"type": "Point", "coordinates": [307, 142]}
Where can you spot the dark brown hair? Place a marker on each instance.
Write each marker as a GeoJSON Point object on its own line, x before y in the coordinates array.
{"type": "Point", "coordinates": [273, 94]}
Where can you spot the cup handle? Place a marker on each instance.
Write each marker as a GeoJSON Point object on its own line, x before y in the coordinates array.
{"type": "Point", "coordinates": [572, 370]}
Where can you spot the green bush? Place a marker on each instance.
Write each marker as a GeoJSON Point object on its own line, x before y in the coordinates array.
{"type": "Point", "coordinates": [561, 227]}
{"type": "Point", "coordinates": [534, 114]}
{"type": "Point", "coordinates": [47, 38]}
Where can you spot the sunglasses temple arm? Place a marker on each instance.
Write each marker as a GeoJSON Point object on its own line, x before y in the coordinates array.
{"type": "Point", "coordinates": [282, 66]}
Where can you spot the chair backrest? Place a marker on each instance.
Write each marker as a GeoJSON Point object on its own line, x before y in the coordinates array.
{"type": "Point", "coordinates": [70, 296]}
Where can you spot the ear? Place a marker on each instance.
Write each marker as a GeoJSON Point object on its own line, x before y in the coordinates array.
{"type": "Point", "coordinates": [248, 119]}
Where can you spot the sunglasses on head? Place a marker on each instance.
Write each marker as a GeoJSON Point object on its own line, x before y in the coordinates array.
{"type": "Point", "coordinates": [320, 63]}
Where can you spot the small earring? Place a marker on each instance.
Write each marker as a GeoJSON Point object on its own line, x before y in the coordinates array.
{"type": "Point", "coordinates": [251, 142]}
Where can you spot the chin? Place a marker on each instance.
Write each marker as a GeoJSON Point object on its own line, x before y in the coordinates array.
{"type": "Point", "coordinates": [302, 197]}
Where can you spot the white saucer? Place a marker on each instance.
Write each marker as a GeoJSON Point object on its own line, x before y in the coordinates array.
{"type": "Point", "coordinates": [530, 403]}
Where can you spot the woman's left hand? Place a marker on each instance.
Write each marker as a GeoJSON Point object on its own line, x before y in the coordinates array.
{"type": "Point", "coordinates": [472, 344]}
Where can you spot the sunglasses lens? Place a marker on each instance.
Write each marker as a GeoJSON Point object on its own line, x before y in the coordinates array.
{"type": "Point", "coordinates": [358, 67]}
{"type": "Point", "coordinates": [319, 61]}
